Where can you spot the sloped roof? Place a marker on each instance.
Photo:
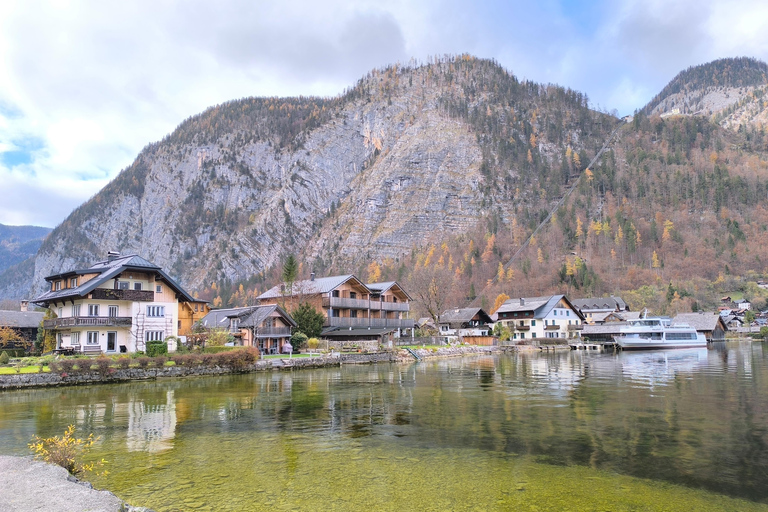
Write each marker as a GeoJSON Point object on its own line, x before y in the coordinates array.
{"type": "Point", "coordinates": [382, 287]}
{"type": "Point", "coordinates": [108, 269]}
{"type": "Point", "coordinates": [615, 303]}
{"type": "Point", "coordinates": [701, 321]}
{"type": "Point", "coordinates": [309, 286]}
{"type": "Point", "coordinates": [540, 306]}
{"type": "Point", "coordinates": [250, 316]}
{"type": "Point", "coordinates": [343, 332]}
{"type": "Point", "coordinates": [463, 315]}
{"type": "Point", "coordinates": [21, 319]}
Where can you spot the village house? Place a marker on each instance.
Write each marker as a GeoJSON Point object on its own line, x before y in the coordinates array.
{"type": "Point", "coordinates": [710, 324]}
{"type": "Point", "coordinates": [190, 313]}
{"type": "Point", "coordinates": [266, 327]}
{"type": "Point", "coordinates": [541, 317]}
{"type": "Point", "coordinates": [114, 306]}
{"type": "Point", "coordinates": [346, 302]}
{"type": "Point", "coordinates": [595, 308]}
{"type": "Point", "coordinates": [25, 323]}
{"type": "Point", "coordinates": [465, 322]}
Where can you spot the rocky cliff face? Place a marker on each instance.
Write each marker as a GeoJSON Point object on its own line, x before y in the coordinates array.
{"type": "Point", "coordinates": [402, 159]}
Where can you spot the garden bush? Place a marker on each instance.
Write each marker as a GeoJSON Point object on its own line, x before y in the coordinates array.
{"type": "Point", "coordinates": [160, 361]}
{"type": "Point", "coordinates": [4, 358]}
{"type": "Point", "coordinates": [103, 366]}
{"type": "Point", "coordinates": [124, 362]}
{"type": "Point", "coordinates": [216, 350]}
{"type": "Point", "coordinates": [143, 361]}
{"type": "Point", "coordinates": [157, 348]}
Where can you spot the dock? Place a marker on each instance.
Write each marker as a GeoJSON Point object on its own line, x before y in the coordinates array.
{"type": "Point", "coordinates": [593, 346]}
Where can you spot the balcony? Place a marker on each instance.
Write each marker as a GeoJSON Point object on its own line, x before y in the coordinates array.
{"type": "Point", "coordinates": [129, 295]}
{"type": "Point", "coordinates": [88, 321]}
{"type": "Point", "coordinates": [341, 302]}
{"type": "Point", "coordinates": [552, 328]}
{"type": "Point", "coordinates": [579, 327]}
{"type": "Point", "coordinates": [390, 306]}
{"type": "Point", "coordinates": [522, 327]}
{"type": "Point", "coordinates": [273, 332]}
{"type": "Point", "coordinates": [369, 322]}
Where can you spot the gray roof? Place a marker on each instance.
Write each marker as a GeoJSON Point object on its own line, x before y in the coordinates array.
{"type": "Point", "coordinates": [21, 319]}
{"type": "Point", "coordinates": [609, 328]}
{"type": "Point", "coordinates": [540, 306]}
{"type": "Point", "coordinates": [615, 303]}
{"type": "Point", "coordinates": [250, 316]}
{"type": "Point", "coordinates": [701, 321]}
{"type": "Point", "coordinates": [108, 269]}
{"type": "Point", "coordinates": [386, 285]}
{"type": "Point", "coordinates": [464, 315]}
{"type": "Point", "coordinates": [309, 286]}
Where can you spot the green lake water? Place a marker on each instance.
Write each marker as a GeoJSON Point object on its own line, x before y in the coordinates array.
{"type": "Point", "coordinates": [676, 431]}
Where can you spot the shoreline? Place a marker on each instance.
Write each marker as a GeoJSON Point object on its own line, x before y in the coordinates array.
{"type": "Point", "coordinates": [30, 484]}
{"type": "Point", "coordinates": [51, 379]}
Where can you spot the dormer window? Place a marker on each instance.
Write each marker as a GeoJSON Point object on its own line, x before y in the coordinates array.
{"type": "Point", "coordinates": [73, 282]}
{"type": "Point", "coordinates": [57, 286]}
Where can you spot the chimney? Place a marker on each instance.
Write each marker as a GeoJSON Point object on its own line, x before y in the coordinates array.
{"type": "Point", "coordinates": [522, 301]}
{"type": "Point", "coordinates": [312, 276]}
{"type": "Point", "coordinates": [113, 255]}
{"type": "Point", "coordinates": [24, 305]}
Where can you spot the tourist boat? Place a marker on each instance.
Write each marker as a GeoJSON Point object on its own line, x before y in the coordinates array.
{"type": "Point", "coordinates": [656, 333]}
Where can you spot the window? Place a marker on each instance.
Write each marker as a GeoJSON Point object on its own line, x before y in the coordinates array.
{"type": "Point", "coordinates": [353, 313]}
{"type": "Point", "coordinates": [113, 310]}
{"type": "Point", "coordinates": [74, 338]}
{"type": "Point", "coordinates": [93, 337]}
{"type": "Point", "coordinates": [533, 323]}
{"type": "Point", "coordinates": [234, 324]}
{"type": "Point", "coordinates": [137, 286]}
{"type": "Point", "coordinates": [76, 310]}
{"type": "Point", "coordinates": [522, 335]}
{"type": "Point", "coordinates": [159, 288]}
{"type": "Point", "coordinates": [335, 313]}
{"type": "Point", "coordinates": [60, 312]}
{"type": "Point", "coordinates": [335, 293]}
{"type": "Point", "coordinates": [93, 310]}
{"type": "Point", "coordinates": [57, 286]}
{"type": "Point", "coordinates": [123, 285]}
{"type": "Point", "coordinates": [195, 308]}
{"type": "Point", "coordinates": [352, 295]}
{"type": "Point", "coordinates": [73, 282]}
{"type": "Point", "coordinates": [154, 336]}
{"type": "Point", "coordinates": [443, 327]}
{"type": "Point", "coordinates": [156, 311]}
{"type": "Point", "coordinates": [567, 313]}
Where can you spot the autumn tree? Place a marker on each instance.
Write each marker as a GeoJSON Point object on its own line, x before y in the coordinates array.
{"type": "Point", "coordinates": [374, 272]}
{"type": "Point", "coordinates": [500, 299]}
{"type": "Point", "coordinates": [431, 286]}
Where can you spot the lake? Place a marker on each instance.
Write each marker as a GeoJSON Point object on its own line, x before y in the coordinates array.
{"type": "Point", "coordinates": [667, 430]}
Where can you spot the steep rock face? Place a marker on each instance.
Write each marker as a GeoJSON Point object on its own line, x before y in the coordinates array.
{"type": "Point", "coordinates": [403, 159]}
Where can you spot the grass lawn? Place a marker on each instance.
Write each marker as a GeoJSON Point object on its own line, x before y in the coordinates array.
{"type": "Point", "coordinates": [24, 369]}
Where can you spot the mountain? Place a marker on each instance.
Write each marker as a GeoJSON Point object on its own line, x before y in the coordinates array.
{"type": "Point", "coordinates": [17, 243]}
{"type": "Point", "coordinates": [451, 167]}
{"type": "Point", "coordinates": [406, 156]}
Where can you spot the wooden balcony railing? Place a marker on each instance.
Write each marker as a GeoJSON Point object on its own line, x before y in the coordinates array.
{"type": "Point", "coordinates": [129, 295]}
{"type": "Point", "coordinates": [276, 332]}
{"type": "Point", "coordinates": [88, 321]}
{"type": "Point", "coordinates": [369, 322]}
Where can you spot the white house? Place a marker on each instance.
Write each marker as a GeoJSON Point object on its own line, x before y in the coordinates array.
{"type": "Point", "coordinates": [465, 322]}
{"type": "Point", "coordinates": [115, 306]}
{"type": "Point", "coordinates": [541, 317]}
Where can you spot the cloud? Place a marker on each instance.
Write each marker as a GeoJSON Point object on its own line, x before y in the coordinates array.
{"type": "Point", "coordinates": [85, 85]}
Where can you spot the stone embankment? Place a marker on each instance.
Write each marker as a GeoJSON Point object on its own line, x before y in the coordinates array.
{"type": "Point", "coordinates": [32, 485]}
{"type": "Point", "coordinates": [30, 380]}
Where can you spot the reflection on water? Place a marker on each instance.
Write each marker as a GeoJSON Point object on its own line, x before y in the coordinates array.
{"type": "Point", "coordinates": [679, 430]}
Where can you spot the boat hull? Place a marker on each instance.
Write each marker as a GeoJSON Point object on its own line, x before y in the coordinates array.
{"type": "Point", "coordinates": [633, 343]}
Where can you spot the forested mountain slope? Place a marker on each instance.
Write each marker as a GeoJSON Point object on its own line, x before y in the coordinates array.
{"type": "Point", "coordinates": [405, 157]}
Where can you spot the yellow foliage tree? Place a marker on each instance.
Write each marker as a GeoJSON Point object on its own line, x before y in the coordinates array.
{"type": "Point", "coordinates": [500, 299]}
{"type": "Point", "coordinates": [374, 272]}
{"type": "Point", "coordinates": [540, 256]}
{"type": "Point", "coordinates": [500, 273]}
{"type": "Point", "coordinates": [489, 246]}
{"type": "Point", "coordinates": [579, 228]}
{"type": "Point", "coordinates": [668, 227]}
{"type": "Point", "coordinates": [510, 273]}
{"type": "Point", "coordinates": [655, 263]}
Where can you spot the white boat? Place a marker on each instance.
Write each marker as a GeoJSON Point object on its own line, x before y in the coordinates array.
{"type": "Point", "coordinates": [658, 332]}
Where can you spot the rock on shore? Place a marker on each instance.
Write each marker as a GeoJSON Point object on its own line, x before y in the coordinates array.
{"type": "Point", "coordinates": [33, 485]}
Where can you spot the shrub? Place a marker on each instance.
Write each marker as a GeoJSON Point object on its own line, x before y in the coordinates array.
{"type": "Point", "coordinates": [160, 361]}
{"type": "Point", "coordinates": [143, 361]}
{"type": "Point", "coordinates": [216, 350]}
{"type": "Point", "coordinates": [298, 340]}
{"type": "Point", "coordinates": [182, 360]}
{"type": "Point", "coordinates": [103, 366]}
{"type": "Point", "coordinates": [4, 358]}
{"type": "Point", "coordinates": [239, 359]}
{"type": "Point", "coordinates": [63, 366]}
{"type": "Point", "coordinates": [313, 343]}
{"type": "Point", "coordinates": [157, 348]}
{"type": "Point", "coordinates": [209, 359]}
{"type": "Point", "coordinates": [66, 451]}
{"type": "Point", "coordinates": [124, 362]}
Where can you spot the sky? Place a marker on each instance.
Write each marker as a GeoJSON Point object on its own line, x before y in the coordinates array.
{"type": "Point", "coordinates": [85, 85]}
